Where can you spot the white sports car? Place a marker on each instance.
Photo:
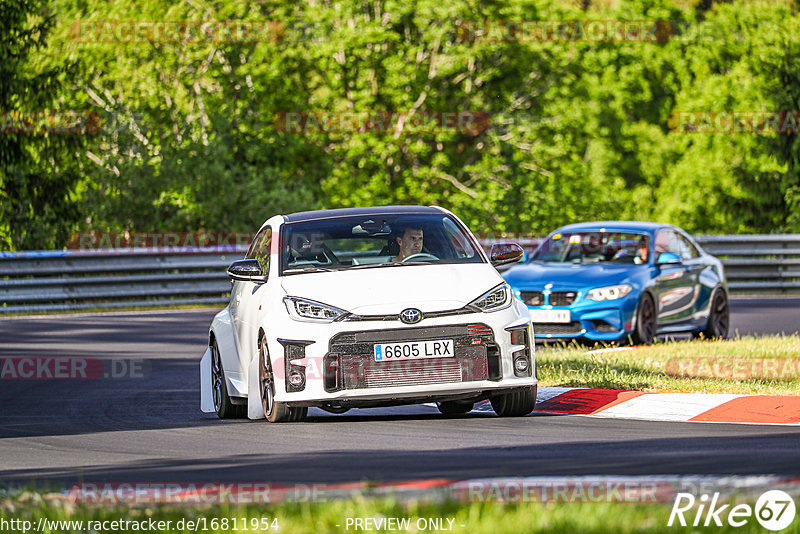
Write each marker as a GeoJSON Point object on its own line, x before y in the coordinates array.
{"type": "Point", "coordinates": [368, 307]}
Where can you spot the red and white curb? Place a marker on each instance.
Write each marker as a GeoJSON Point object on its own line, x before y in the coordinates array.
{"type": "Point", "coordinates": [691, 407]}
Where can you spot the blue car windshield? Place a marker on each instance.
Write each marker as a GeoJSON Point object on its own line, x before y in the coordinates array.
{"type": "Point", "coordinates": [594, 247]}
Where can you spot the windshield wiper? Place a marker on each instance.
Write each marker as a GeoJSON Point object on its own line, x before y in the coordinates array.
{"type": "Point", "coordinates": [309, 269]}
{"type": "Point", "coordinates": [387, 264]}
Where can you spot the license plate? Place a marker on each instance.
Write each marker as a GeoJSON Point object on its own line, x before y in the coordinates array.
{"type": "Point", "coordinates": [550, 316]}
{"type": "Point", "coordinates": [414, 350]}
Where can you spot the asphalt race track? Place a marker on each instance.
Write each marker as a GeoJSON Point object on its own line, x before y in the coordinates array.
{"type": "Point", "coordinates": [148, 428]}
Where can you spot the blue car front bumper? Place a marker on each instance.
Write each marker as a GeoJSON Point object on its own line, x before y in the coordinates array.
{"type": "Point", "coordinates": [591, 320]}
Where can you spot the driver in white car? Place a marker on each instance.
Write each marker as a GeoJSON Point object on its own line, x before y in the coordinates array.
{"type": "Point", "coordinates": [410, 243]}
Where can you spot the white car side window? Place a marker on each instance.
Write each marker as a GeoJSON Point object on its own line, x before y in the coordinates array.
{"type": "Point", "coordinates": [260, 249]}
{"type": "Point", "coordinates": [457, 240]}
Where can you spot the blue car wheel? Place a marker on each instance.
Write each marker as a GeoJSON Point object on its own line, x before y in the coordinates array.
{"type": "Point", "coordinates": [718, 317]}
{"type": "Point", "coordinates": [645, 331]}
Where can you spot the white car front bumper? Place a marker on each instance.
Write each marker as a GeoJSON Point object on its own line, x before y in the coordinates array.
{"type": "Point", "coordinates": [337, 364]}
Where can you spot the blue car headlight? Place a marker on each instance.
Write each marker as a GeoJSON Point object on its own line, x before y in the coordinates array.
{"type": "Point", "coordinates": [609, 292]}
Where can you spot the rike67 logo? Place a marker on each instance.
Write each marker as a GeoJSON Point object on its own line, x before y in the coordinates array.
{"type": "Point", "coordinates": [774, 510]}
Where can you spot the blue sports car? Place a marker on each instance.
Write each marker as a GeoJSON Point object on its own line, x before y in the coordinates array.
{"type": "Point", "coordinates": [622, 281]}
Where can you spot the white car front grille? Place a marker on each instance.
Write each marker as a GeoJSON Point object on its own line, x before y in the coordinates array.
{"type": "Point", "coordinates": [413, 373]}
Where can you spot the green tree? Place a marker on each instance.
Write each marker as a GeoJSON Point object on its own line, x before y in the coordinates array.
{"type": "Point", "coordinates": [38, 170]}
{"type": "Point", "coordinates": [734, 61]}
{"type": "Point", "coordinates": [578, 130]}
{"type": "Point", "coordinates": [783, 90]}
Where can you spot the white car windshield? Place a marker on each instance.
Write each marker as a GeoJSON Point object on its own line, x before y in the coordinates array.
{"type": "Point", "coordinates": [594, 247]}
{"type": "Point", "coordinates": [373, 241]}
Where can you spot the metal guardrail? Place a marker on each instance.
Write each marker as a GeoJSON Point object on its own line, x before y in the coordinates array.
{"type": "Point", "coordinates": [80, 280]}
{"type": "Point", "coordinates": [44, 281]}
{"type": "Point", "coordinates": [768, 264]}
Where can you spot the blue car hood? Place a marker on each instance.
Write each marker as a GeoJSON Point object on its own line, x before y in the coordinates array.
{"type": "Point", "coordinates": [569, 275]}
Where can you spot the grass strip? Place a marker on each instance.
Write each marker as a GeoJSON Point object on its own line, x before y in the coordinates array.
{"type": "Point", "coordinates": [332, 517]}
{"type": "Point", "coordinates": [767, 365]}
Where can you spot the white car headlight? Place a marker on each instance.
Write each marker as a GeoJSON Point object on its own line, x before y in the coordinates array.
{"type": "Point", "coordinates": [495, 299]}
{"type": "Point", "coordinates": [304, 310]}
{"type": "Point", "coordinates": [609, 292]}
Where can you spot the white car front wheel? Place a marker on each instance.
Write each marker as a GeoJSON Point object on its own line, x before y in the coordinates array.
{"type": "Point", "coordinates": [275, 412]}
{"type": "Point", "coordinates": [517, 403]}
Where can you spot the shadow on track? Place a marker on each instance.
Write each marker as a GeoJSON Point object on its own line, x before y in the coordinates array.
{"type": "Point", "coordinates": [626, 457]}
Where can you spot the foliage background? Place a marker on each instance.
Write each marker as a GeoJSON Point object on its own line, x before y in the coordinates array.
{"type": "Point", "coordinates": [579, 130]}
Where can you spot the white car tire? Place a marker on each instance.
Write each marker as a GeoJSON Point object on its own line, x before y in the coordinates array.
{"type": "Point", "coordinates": [223, 406]}
{"type": "Point", "coordinates": [517, 403]}
{"type": "Point", "coordinates": [274, 411]}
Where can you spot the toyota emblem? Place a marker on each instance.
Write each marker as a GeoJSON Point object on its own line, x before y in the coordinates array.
{"type": "Point", "coordinates": [411, 316]}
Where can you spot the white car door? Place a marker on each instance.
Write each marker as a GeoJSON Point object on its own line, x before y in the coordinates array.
{"type": "Point", "coordinates": [244, 299]}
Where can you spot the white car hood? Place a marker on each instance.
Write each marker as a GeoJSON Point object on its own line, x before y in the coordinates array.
{"type": "Point", "coordinates": [389, 290]}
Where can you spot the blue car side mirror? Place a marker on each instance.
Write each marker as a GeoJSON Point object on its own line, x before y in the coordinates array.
{"type": "Point", "coordinates": [668, 258]}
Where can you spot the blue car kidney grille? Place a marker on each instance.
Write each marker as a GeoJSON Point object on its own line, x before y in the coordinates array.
{"type": "Point", "coordinates": [532, 298]}
{"type": "Point", "coordinates": [562, 298]}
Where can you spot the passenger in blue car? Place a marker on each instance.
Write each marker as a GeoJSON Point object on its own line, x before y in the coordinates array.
{"type": "Point", "coordinates": [638, 255]}
{"type": "Point", "coordinates": [641, 252]}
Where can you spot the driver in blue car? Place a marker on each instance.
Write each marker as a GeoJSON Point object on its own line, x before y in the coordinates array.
{"type": "Point", "coordinates": [410, 243]}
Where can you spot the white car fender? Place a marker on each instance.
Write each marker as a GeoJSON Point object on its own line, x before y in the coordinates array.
{"type": "Point", "coordinates": [206, 400]}
{"type": "Point", "coordinates": [254, 408]}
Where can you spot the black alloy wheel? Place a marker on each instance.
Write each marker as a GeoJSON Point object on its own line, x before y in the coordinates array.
{"type": "Point", "coordinates": [275, 412]}
{"type": "Point", "coordinates": [219, 391]}
{"type": "Point", "coordinates": [719, 317]}
{"type": "Point", "coordinates": [645, 331]}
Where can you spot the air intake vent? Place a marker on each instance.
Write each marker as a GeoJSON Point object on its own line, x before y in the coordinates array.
{"type": "Point", "coordinates": [479, 330]}
{"type": "Point", "coordinates": [541, 329]}
{"type": "Point", "coordinates": [420, 372]}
